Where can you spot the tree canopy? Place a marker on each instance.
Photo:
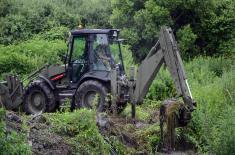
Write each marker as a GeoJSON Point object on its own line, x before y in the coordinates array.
{"type": "Point", "coordinates": [201, 27]}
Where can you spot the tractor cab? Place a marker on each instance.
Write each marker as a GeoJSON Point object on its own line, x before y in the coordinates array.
{"type": "Point", "coordinates": [96, 51]}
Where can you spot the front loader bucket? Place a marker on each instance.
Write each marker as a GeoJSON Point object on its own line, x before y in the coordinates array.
{"type": "Point", "coordinates": [11, 92]}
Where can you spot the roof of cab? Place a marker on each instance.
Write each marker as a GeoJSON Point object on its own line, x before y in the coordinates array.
{"type": "Point", "coordinates": [92, 31]}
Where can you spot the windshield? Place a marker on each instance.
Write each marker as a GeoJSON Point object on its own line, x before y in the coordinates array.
{"type": "Point", "coordinates": [106, 52]}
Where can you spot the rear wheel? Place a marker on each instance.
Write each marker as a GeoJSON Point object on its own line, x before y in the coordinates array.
{"type": "Point", "coordinates": [92, 94]}
{"type": "Point", "coordinates": [38, 98]}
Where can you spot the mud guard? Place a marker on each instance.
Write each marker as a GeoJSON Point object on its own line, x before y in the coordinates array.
{"type": "Point", "coordinates": [47, 81]}
{"type": "Point", "coordinates": [103, 76]}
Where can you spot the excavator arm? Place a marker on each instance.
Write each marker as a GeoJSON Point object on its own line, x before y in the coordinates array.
{"type": "Point", "coordinates": [165, 51]}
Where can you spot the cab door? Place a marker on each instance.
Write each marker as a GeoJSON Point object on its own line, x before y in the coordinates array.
{"type": "Point", "coordinates": [78, 59]}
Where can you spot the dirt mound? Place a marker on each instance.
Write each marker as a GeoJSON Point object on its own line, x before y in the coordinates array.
{"type": "Point", "coordinates": [132, 134]}
{"type": "Point", "coordinates": [13, 121]}
{"type": "Point", "coordinates": [45, 142]}
{"type": "Point", "coordinates": [140, 136]}
{"type": "Point", "coordinates": [42, 141]}
{"type": "Point", "coordinates": [123, 135]}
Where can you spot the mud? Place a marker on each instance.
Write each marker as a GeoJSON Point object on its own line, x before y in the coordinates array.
{"type": "Point", "coordinates": [128, 131]}
{"type": "Point", "coordinates": [42, 141]}
{"type": "Point", "coordinates": [131, 133]}
{"type": "Point", "coordinates": [13, 122]}
{"type": "Point", "coordinates": [45, 142]}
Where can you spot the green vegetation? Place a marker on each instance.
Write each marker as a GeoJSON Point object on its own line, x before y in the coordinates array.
{"type": "Point", "coordinates": [202, 28]}
{"type": "Point", "coordinates": [29, 55]}
{"type": "Point", "coordinates": [80, 130]}
{"type": "Point", "coordinates": [11, 142]}
{"type": "Point", "coordinates": [213, 121]}
{"type": "Point", "coordinates": [212, 81]}
{"type": "Point", "coordinates": [20, 20]}
{"type": "Point", "coordinates": [32, 34]}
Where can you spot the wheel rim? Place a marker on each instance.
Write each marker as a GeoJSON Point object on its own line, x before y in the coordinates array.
{"type": "Point", "coordinates": [37, 102]}
{"type": "Point", "coordinates": [92, 99]}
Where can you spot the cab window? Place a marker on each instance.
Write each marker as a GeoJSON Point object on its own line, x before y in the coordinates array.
{"type": "Point", "coordinates": [101, 52]}
{"type": "Point", "coordinates": [78, 49]}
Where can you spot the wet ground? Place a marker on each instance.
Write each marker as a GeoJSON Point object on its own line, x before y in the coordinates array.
{"type": "Point", "coordinates": [42, 141]}
{"type": "Point", "coordinates": [134, 134]}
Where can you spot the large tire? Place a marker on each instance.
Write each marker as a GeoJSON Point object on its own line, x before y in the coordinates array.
{"type": "Point", "coordinates": [85, 96]}
{"type": "Point", "coordinates": [38, 98]}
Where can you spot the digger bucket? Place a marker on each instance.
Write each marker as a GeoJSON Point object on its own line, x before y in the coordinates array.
{"type": "Point", "coordinates": [11, 92]}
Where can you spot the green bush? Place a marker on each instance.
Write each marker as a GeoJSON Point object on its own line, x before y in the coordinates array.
{"type": "Point", "coordinates": [56, 33]}
{"type": "Point", "coordinates": [162, 87]}
{"type": "Point", "coordinates": [21, 20]}
{"type": "Point", "coordinates": [202, 27]}
{"type": "Point", "coordinates": [80, 127]}
{"type": "Point", "coordinates": [214, 117]}
{"type": "Point", "coordinates": [186, 42]}
{"type": "Point", "coordinates": [30, 55]}
{"type": "Point", "coordinates": [212, 82]}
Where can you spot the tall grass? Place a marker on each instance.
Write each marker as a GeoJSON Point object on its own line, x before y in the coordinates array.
{"type": "Point", "coordinates": [213, 87]}
{"type": "Point", "coordinates": [212, 81]}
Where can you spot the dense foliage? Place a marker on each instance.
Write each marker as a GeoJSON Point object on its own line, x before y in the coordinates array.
{"type": "Point", "coordinates": [213, 87]}
{"type": "Point", "coordinates": [32, 34]}
{"type": "Point", "coordinates": [20, 20]}
{"type": "Point", "coordinates": [202, 27]}
{"type": "Point", "coordinates": [29, 55]}
{"type": "Point", "coordinates": [81, 131]}
{"type": "Point", "coordinates": [214, 90]}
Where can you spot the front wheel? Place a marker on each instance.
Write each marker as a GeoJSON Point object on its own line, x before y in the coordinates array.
{"type": "Point", "coordinates": [92, 94]}
{"type": "Point", "coordinates": [38, 98]}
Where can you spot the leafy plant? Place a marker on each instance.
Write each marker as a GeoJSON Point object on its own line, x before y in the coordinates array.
{"type": "Point", "coordinates": [81, 131]}
{"type": "Point", "coordinates": [30, 55]}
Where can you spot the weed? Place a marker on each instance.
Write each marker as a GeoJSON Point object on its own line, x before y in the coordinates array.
{"type": "Point", "coordinates": [81, 131]}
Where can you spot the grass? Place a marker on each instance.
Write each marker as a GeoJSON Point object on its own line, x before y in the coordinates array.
{"type": "Point", "coordinates": [80, 131]}
{"type": "Point", "coordinates": [212, 81]}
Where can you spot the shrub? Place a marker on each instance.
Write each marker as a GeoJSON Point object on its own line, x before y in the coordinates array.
{"type": "Point", "coordinates": [212, 82]}
{"type": "Point", "coordinates": [30, 55]}
{"type": "Point", "coordinates": [56, 33]}
{"type": "Point", "coordinates": [186, 39]}
{"type": "Point", "coordinates": [162, 87]}
{"type": "Point", "coordinates": [213, 119]}
{"type": "Point", "coordinates": [83, 134]}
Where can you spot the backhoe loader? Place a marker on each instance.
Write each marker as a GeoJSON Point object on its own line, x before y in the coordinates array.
{"type": "Point", "coordinates": [90, 69]}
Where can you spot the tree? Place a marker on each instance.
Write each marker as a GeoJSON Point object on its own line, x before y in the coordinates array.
{"type": "Point", "coordinates": [6, 6]}
{"type": "Point", "coordinates": [202, 27]}
{"type": "Point", "coordinates": [32, 17]}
